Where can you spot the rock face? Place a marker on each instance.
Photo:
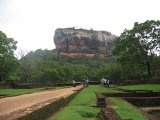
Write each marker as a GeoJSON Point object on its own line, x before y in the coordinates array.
{"type": "Point", "coordinates": [80, 42]}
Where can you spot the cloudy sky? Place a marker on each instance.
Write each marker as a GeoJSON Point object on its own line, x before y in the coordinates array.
{"type": "Point", "coordinates": [33, 22]}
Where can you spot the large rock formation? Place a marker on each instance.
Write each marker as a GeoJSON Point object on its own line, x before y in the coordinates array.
{"type": "Point", "coordinates": [77, 42]}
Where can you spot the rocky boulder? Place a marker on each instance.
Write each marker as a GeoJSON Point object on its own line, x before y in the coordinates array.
{"type": "Point", "coordinates": [77, 42]}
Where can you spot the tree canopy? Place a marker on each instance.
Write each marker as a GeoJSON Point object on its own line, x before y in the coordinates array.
{"type": "Point", "coordinates": [139, 46]}
{"type": "Point", "coordinates": [8, 62]}
{"type": "Point", "coordinates": [136, 52]}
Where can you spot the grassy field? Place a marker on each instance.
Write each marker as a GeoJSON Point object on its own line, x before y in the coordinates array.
{"type": "Point", "coordinates": [82, 106]}
{"type": "Point", "coordinates": [24, 91]}
{"type": "Point", "coordinates": [154, 87]}
{"type": "Point", "coordinates": [126, 111]}
{"type": "Point", "coordinates": [18, 91]}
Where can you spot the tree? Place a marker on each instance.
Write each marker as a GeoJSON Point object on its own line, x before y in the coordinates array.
{"type": "Point", "coordinates": [69, 73]}
{"type": "Point", "coordinates": [139, 45]}
{"type": "Point", "coordinates": [115, 72]}
{"type": "Point", "coordinates": [25, 67]}
{"type": "Point", "coordinates": [8, 62]}
{"type": "Point", "coordinates": [49, 76]}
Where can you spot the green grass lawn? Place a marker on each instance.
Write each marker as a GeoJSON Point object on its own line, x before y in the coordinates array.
{"type": "Point", "coordinates": [25, 91]}
{"type": "Point", "coordinates": [154, 87]}
{"type": "Point", "coordinates": [18, 91]}
{"type": "Point", "coordinates": [126, 111]}
{"type": "Point", "coordinates": [81, 107]}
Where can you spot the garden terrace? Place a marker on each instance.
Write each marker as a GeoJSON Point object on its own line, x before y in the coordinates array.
{"type": "Point", "coordinates": [145, 101]}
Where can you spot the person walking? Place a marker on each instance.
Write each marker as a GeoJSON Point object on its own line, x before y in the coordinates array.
{"type": "Point", "coordinates": [87, 82]}
{"type": "Point", "coordinates": [108, 83]}
{"type": "Point", "coordinates": [105, 82]}
{"type": "Point", "coordinates": [102, 82]}
{"type": "Point", "coordinates": [73, 83]}
{"type": "Point", "coordinates": [156, 72]}
{"type": "Point", "coordinates": [84, 82]}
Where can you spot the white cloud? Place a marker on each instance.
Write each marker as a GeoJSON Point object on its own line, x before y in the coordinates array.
{"type": "Point", "coordinates": [32, 22]}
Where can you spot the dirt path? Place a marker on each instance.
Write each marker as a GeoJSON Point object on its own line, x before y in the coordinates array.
{"type": "Point", "coordinates": [11, 104]}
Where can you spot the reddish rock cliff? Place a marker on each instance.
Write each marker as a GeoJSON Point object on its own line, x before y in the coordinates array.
{"type": "Point", "coordinates": [80, 42]}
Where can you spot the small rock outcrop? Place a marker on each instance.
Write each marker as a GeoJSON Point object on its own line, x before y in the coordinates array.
{"type": "Point", "coordinates": [81, 42]}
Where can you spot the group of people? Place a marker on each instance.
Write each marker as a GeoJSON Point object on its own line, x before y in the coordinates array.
{"type": "Point", "coordinates": [104, 82]}
{"type": "Point", "coordinates": [85, 83]}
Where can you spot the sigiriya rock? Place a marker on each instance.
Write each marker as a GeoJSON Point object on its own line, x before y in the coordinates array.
{"type": "Point", "coordinates": [81, 42]}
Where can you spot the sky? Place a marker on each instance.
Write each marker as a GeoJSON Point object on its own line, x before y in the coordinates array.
{"type": "Point", "coordinates": [33, 22]}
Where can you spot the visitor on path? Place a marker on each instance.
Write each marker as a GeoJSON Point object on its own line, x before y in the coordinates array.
{"type": "Point", "coordinates": [84, 82]}
{"type": "Point", "coordinates": [156, 72]}
{"type": "Point", "coordinates": [102, 82]}
{"type": "Point", "coordinates": [108, 83]}
{"type": "Point", "coordinates": [87, 82]}
{"type": "Point", "coordinates": [105, 82]}
{"type": "Point", "coordinates": [73, 83]}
